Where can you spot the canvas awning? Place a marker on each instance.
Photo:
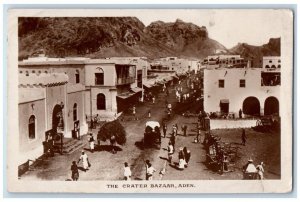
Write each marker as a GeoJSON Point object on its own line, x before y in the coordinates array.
{"type": "Point", "coordinates": [223, 101]}
{"type": "Point", "coordinates": [176, 77]}
{"type": "Point", "coordinates": [147, 85]}
{"type": "Point", "coordinates": [136, 89]}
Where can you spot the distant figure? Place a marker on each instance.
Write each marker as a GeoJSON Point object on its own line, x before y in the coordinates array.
{"type": "Point", "coordinates": [181, 159]}
{"type": "Point", "coordinates": [198, 138]}
{"type": "Point", "coordinates": [85, 161]}
{"type": "Point", "coordinates": [260, 170]}
{"type": "Point", "coordinates": [187, 157]}
{"type": "Point", "coordinates": [174, 130]}
{"type": "Point", "coordinates": [184, 129]}
{"type": "Point", "coordinates": [153, 100]}
{"type": "Point", "coordinates": [127, 172]}
{"type": "Point", "coordinates": [176, 126]}
{"type": "Point", "coordinates": [149, 113]}
{"type": "Point", "coordinates": [149, 171]}
{"type": "Point", "coordinates": [172, 140]}
{"type": "Point", "coordinates": [244, 137]}
{"type": "Point", "coordinates": [164, 129]}
{"type": "Point", "coordinates": [170, 152]}
{"type": "Point", "coordinates": [74, 170]}
{"type": "Point", "coordinates": [249, 167]}
{"type": "Point", "coordinates": [113, 144]}
{"type": "Point", "coordinates": [134, 112]}
{"type": "Point", "coordinates": [240, 114]}
{"type": "Point", "coordinates": [92, 142]}
{"type": "Point", "coordinates": [50, 144]}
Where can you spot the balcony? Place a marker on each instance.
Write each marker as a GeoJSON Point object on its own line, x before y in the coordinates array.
{"type": "Point", "coordinates": [125, 80]}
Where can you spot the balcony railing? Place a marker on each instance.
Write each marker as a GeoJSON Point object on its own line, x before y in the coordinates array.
{"type": "Point", "coordinates": [125, 80]}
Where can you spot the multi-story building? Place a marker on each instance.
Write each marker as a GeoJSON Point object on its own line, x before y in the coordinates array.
{"type": "Point", "coordinates": [229, 61]}
{"type": "Point", "coordinates": [256, 91]}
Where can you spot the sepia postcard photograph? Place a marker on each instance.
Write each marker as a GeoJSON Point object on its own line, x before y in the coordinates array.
{"type": "Point", "coordinates": [150, 100]}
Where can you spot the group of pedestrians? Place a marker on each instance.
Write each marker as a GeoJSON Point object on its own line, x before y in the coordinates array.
{"type": "Point", "coordinates": [150, 170]}
{"type": "Point", "coordinates": [85, 166]}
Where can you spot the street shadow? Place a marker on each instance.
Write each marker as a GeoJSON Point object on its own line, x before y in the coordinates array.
{"type": "Point", "coordinates": [87, 149]}
{"type": "Point", "coordinates": [107, 148]}
{"type": "Point", "coordinates": [81, 168]}
{"type": "Point", "coordinates": [137, 178]}
{"type": "Point", "coordinates": [139, 144]}
{"type": "Point", "coordinates": [174, 166]}
{"type": "Point", "coordinates": [163, 158]}
{"type": "Point", "coordinates": [68, 180]}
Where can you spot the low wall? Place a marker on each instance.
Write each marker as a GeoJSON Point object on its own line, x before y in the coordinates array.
{"type": "Point", "coordinates": [232, 123]}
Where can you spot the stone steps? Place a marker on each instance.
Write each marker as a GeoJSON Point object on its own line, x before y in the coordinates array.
{"type": "Point", "coordinates": [69, 145]}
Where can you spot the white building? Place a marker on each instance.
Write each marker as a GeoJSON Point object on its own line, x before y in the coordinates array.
{"type": "Point", "coordinates": [256, 91]}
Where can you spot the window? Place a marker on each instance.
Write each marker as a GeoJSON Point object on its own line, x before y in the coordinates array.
{"type": "Point", "coordinates": [221, 84]}
{"type": "Point", "coordinates": [279, 66]}
{"type": "Point", "coordinates": [242, 83]}
{"type": "Point", "coordinates": [77, 79]}
{"type": "Point", "coordinates": [99, 77]}
{"type": "Point", "coordinates": [267, 66]}
{"type": "Point", "coordinates": [101, 101]}
{"type": "Point", "coordinates": [31, 127]}
{"type": "Point", "coordinates": [270, 61]}
{"type": "Point", "coordinates": [75, 112]}
{"type": "Point", "coordinates": [279, 61]}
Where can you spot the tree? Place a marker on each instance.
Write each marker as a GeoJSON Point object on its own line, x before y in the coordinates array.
{"type": "Point", "coordinates": [112, 128]}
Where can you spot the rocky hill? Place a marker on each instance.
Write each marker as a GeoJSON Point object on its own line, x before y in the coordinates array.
{"type": "Point", "coordinates": [186, 39]}
{"type": "Point", "coordinates": [255, 53]}
{"type": "Point", "coordinates": [113, 36]}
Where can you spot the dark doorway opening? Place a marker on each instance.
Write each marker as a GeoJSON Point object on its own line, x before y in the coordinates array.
{"type": "Point", "coordinates": [224, 106]}
{"type": "Point", "coordinates": [271, 106]}
{"type": "Point", "coordinates": [251, 106]}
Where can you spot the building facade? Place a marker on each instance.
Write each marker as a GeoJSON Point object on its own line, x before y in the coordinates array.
{"type": "Point", "coordinates": [255, 91]}
{"type": "Point", "coordinates": [42, 107]}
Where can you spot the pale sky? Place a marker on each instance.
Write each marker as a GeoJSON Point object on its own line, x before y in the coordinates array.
{"type": "Point", "coordinates": [228, 27]}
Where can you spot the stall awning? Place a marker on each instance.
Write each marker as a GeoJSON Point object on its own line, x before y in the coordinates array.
{"type": "Point", "coordinates": [136, 89]}
{"type": "Point", "coordinates": [223, 101]}
{"type": "Point", "coordinates": [123, 96]}
{"type": "Point", "coordinates": [147, 85]}
{"type": "Point", "coordinates": [176, 77]}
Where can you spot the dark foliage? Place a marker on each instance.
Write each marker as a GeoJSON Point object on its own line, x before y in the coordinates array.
{"type": "Point", "coordinates": [112, 128]}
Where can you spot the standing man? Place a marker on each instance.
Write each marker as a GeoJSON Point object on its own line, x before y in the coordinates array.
{"type": "Point", "coordinates": [181, 159]}
{"type": "Point", "coordinates": [127, 172]}
{"type": "Point", "coordinates": [74, 170]}
{"type": "Point", "coordinates": [153, 100]}
{"type": "Point", "coordinates": [244, 137]}
{"type": "Point", "coordinates": [164, 129]}
{"type": "Point", "coordinates": [260, 170]}
{"type": "Point", "coordinates": [184, 129]}
{"type": "Point", "coordinates": [85, 161]}
{"type": "Point", "coordinates": [50, 142]}
{"type": "Point", "coordinates": [240, 114]}
{"type": "Point", "coordinates": [134, 112]}
{"type": "Point", "coordinates": [170, 152]}
{"type": "Point", "coordinates": [150, 172]}
{"type": "Point", "coordinates": [198, 135]}
{"type": "Point", "coordinates": [112, 144]}
{"type": "Point", "coordinates": [92, 142]}
{"type": "Point", "coordinates": [172, 141]}
{"type": "Point", "coordinates": [187, 157]}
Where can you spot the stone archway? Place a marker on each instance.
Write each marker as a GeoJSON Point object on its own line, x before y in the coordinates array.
{"type": "Point", "coordinates": [271, 106]}
{"type": "Point", "coordinates": [57, 119]}
{"type": "Point", "coordinates": [251, 106]}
